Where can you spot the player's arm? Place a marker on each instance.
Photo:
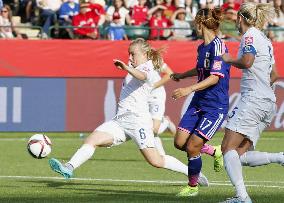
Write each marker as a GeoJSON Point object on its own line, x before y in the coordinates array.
{"type": "Point", "coordinates": [273, 75]}
{"type": "Point", "coordinates": [178, 76]}
{"type": "Point", "coordinates": [244, 62]}
{"type": "Point", "coordinates": [182, 92]}
{"type": "Point", "coordinates": [132, 71]}
{"type": "Point", "coordinates": [167, 71]}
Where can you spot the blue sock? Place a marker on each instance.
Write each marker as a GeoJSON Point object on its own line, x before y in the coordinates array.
{"type": "Point", "coordinates": [194, 168]}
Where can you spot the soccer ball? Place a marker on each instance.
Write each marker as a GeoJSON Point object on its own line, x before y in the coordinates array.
{"type": "Point", "coordinates": [39, 146]}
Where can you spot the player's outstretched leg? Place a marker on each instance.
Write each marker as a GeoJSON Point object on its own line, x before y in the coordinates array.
{"type": "Point", "coordinates": [216, 153]}
{"type": "Point", "coordinates": [60, 168]}
{"type": "Point", "coordinates": [255, 158]}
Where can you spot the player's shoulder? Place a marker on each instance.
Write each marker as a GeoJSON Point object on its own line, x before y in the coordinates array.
{"type": "Point", "coordinates": [147, 66]}
{"type": "Point", "coordinates": [217, 46]}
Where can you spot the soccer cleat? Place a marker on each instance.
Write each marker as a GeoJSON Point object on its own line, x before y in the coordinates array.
{"type": "Point", "coordinates": [238, 200]}
{"type": "Point", "coordinates": [202, 180]}
{"type": "Point", "coordinates": [188, 191]}
{"type": "Point", "coordinates": [58, 167]}
{"type": "Point", "coordinates": [218, 159]}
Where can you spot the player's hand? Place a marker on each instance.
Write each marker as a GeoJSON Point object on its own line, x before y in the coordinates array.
{"type": "Point", "coordinates": [181, 92]}
{"type": "Point", "coordinates": [227, 58]}
{"type": "Point", "coordinates": [119, 64]}
{"type": "Point", "coordinates": [176, 77]}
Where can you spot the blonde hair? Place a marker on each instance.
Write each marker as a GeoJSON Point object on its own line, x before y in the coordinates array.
{"type": "Point", "coordinates": [257, 14]}
{"type": "Point", "coordinates": [210, 18]}
{"type": "Point", "coordinates": [152, 54]}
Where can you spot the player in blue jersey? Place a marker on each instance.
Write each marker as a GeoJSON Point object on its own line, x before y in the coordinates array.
{"type": "Point", "coordinates": [210, 103]}
{"type": "Point", "coordinates": [256, 108]}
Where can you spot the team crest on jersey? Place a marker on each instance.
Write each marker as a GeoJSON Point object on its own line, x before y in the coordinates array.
{"type": "Point", "coordinates": [248, 40]}
{"type": "Point", "coordinates": [217, 65]}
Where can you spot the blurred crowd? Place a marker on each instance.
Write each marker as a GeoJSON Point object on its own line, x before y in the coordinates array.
{"type": "Point", "coordinates": [124, 19]}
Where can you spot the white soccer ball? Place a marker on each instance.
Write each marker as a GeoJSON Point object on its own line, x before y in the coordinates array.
{"type": "Point", "coordinates": [39, 146]}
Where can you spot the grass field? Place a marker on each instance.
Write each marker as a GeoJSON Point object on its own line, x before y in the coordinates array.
{"type": "Point", "coordinates": [120, 174]}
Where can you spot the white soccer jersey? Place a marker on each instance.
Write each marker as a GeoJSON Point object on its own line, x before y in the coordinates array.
{"type": "Point", "coordinates": [256, 80]}
{"type": "Point", "coordinates": [135, 93]}
{"type": "Point", "coordinates": [160, 92]}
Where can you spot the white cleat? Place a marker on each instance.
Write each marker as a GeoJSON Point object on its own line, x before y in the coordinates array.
{"type": "Point", "coordinates": [238, 200]}
{"type": "Point", "coordinates": [203, 181]}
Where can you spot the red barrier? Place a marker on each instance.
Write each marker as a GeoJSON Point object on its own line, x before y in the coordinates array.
{"type": "Point", "coordinates": [86, 58]}
{"type": "Point", "coordinates": [90, 102]}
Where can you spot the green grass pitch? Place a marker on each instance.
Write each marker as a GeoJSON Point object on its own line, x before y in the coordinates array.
{"type": "Point", "coordinates": [120, 174]}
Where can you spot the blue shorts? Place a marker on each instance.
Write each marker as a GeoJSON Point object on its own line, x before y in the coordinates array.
{"type": "Point", "coordinates": [201, 123]}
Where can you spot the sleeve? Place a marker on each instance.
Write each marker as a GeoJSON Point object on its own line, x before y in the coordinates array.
{"type": "Point", "coordinates": [248, 44]}
{"type": "Point", "coordinates": [63, 11]}
{"type": "Point", "coordinates": [217, 65]}
{"type": "Point", "coordinates": [147, 70]}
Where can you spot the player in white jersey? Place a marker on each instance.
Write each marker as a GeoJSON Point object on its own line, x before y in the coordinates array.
{"type": "Point", "coordinates": [157, 105]}
{"type": "Point", "coordinates": [133, 120]}
{"type": "Point", "coordinates": [256, 107]}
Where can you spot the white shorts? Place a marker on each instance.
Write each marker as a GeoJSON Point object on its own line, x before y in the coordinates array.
{"type": "Point", "coordinates": [126, 127]}
{"type": "Point", "coordinates": [251, 116]}
{"type": "Point", "coordinates": [157, 107]}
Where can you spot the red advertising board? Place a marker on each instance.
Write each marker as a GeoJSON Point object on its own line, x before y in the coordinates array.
{"type": "Point", "coordinates": [90, 102]}
{"type": "Point", "coordinates": [86, 58]}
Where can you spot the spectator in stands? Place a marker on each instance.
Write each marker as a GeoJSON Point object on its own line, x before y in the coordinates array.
{"type": "Point", "coordinates": [231, 4]}
{"type": "Point", "coordinates": [48, 12]}
{"type": "Point", "coordinates": [182, 29]}
{"type": "Point", "coordinates": [99, 12]}
{"type": "Point", "coordinates": [1, 4]}
{"type": "Point", "coordinates": [139, 13]}
{"type": "Point", "coordinates": [8, 31]}
{"type": "Point", "coordinates": [119, 6]}
{"type": "Point", "coordinates": [66, 12]}
{"type": "Point", "coordinates": [228, 25]}
{"type": "Point", "coordinates": [26, 8]}
{"type": "Point", "coordinates": [278, 22]}
{"type": "Point", "coordinates": [170, 8]}
{"type": "Point", "coordinates": [210, 3]}
{"type": "Point", "coordinates": [158, 23]}
{"type": "Point", "coordinates": [116, 30]}
{"type": "Point", "coordinates": [190, 10]}
{"type": "Point", "coordinates": [86, 18]}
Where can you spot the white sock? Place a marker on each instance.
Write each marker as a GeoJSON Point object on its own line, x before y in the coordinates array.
{"type": "Point", "coordinates": [174, 164]}
{"type": "Point", "coordinates": [159, 145]}
{"type": "Point", "coordinates": [255, 158]}
{"type": "Point", "coordinates": [234, 169]}
{"type": "Point", "coordinates": [172, 127]}
{"type": "Point", "coordinates": [164, 125]}
{"type": "Point", "coordinates": [82, 155]}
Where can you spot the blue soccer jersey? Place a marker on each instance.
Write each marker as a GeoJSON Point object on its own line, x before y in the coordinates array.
{"type": "Point", "coordinates": [209, 62]}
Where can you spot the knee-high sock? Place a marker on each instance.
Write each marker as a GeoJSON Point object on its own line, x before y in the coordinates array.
{"type": "Point", "coordinates": [255, 158]}
{"type": "Point", "coordinates": [82, 155]}
{"type": "Point", "coordinates": [234, 170]}
{"type": "Point", "coordinates": [159, 145]}
{"type": "Point", "coordinates": [171, 163]}
{"type": "Point", "coordinates": [194, 168]}
{"type": "Point", "coordinates": [208, 149]}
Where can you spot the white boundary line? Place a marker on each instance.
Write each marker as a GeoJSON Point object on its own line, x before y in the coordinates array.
{"type": "Point", "coordinates": [213, 183]}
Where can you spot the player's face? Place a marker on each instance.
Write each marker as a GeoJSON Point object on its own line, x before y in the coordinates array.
{"type": "Point", "coordinates": [238, 24]}
{"type": "Point", "coordinates": [136, 56]}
